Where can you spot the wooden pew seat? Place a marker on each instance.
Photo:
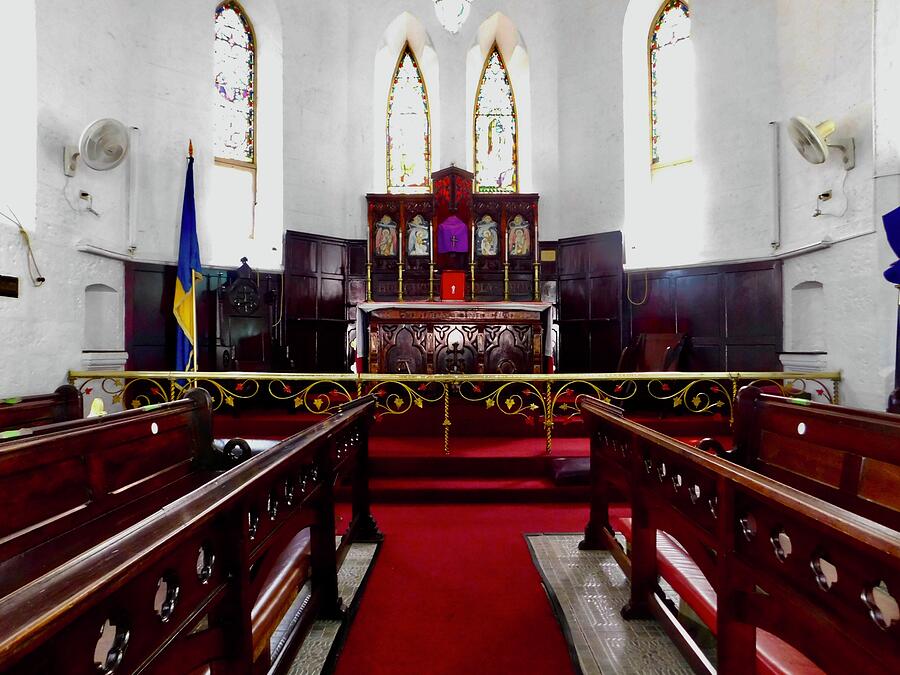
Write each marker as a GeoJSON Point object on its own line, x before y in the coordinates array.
{"type": "Point", "coordinates": [773, 656]}
{"type": "Point", "coordinates": [280, 588]}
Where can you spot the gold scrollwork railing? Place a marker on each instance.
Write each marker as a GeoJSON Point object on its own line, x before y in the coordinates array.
{"type": "Point", "coordinates": [538, 400]}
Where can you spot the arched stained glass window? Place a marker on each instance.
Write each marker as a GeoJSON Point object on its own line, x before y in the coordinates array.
{"type": "Point", "coordinates": [235, 83]}
{"type": "Point", "coordinates": [408, 128]}
{"type": "Point", "coordinates": [671, 85]}
{"type": "Point", "coordinates": [496, 158]}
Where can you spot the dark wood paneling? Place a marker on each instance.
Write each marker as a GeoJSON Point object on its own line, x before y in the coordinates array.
{"type": "Point", "coordinates": [656, 314]}
{"type": "Point", "coordinates": [590, 287]}
{"type": "Point", "coordinates": [316, 297]}
{"type": "Point", "coordinates": [731, 313]}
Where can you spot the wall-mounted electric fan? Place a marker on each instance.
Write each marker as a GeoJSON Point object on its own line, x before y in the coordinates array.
{"type": "Point", "coordinates": [103, 146]}
{"type": "Point", "coordinates": [812, 141]}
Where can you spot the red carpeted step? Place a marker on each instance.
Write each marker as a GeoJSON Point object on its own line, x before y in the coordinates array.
{"type": "Point", "coordinates": [475, 446]}
{"type": "Point", "coordinates": [411, 489]}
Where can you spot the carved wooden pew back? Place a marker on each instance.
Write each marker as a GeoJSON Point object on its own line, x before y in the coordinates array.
{"type": "Point", "coordinates": [845, 456]}
{"type": "Point", "coordinates": [30, 411]}
{"type": "Point", "coordinates": [175, 592]}
{"type": "Point", "coordinates": [97, 470]}
{"type": "Point", "coordinates": [814, 575]}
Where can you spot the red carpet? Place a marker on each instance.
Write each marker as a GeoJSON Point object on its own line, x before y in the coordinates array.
{"type": "Point", "coordinates": [454, 590]}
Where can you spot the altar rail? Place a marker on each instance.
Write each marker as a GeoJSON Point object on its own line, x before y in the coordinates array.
{"type": "Point", "coordinates": [539, 400]}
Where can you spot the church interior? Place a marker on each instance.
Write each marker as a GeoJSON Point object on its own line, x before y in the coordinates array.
{"type": "Point", "coordinates": [450, 336]}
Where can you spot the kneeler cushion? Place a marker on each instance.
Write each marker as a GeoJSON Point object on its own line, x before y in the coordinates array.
{"type": "Point", "coordinates": [280, 588]}
{"type": "Point", "coordinates": [571, 470]}
{"type": "Point", "coordinates": [774, 656]}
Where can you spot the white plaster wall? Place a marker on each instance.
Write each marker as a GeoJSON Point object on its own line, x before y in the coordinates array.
{"type": "Point", "coordinates": [149, 69]}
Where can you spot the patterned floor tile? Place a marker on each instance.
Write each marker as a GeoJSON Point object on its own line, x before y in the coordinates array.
{"type": "Point", "coordinates": [591, 589]}
{"type": "Point", "coordinates": [316, 647]}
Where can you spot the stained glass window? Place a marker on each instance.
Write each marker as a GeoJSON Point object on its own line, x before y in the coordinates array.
{"type": "Point", "coordinates": [235, 56]}
{"type": "Point", "coordinates": [495, 129]}
{"type": "Point", "coordinates": [671, 84]}
{"type": "Point", "coordinates": [408, 129]}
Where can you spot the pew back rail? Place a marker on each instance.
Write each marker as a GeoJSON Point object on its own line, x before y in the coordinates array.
{"type": "Point", "coordinates": [31, 411]}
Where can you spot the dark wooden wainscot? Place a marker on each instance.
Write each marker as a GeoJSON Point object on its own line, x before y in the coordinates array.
{"type": "Point", "coordinates": [30, 411]}
{"type": "Point", "coordinates": [783, 579]}
{"type": "Point", "coordinates": [193, 587]}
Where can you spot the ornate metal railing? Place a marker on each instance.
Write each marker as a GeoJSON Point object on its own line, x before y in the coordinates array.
{"type": "Point", "coordinates": [539, 400]}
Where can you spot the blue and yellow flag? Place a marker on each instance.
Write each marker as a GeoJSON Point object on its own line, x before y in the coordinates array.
{"type": "Point", "coordinates": [188, 276]}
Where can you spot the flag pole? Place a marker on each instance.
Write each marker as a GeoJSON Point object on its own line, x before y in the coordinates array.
{"type": "Point", "coordinates": [193, 294]}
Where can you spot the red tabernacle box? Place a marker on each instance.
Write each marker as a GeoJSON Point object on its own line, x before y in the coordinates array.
{"type": "Point", "coordinates": [453, 285]}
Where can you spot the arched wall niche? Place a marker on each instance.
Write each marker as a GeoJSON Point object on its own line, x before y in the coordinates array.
{"type": "Point", "coordinates": [807, 324]}
{"type": "Point", "coordinates": [404, 29]}
{"type": "Point", "coordinates": [663, 208]}
{"type": "Point", "coordinates": [499, 29]}
{"type": "Point", "coordinates": [102, 318]}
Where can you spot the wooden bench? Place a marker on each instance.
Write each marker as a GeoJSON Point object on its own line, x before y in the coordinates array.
{"type": "Point", "coordinates": [196, 584]}
{"type": "Point", "coordinates": [30, 411]}
{"type": "Point", "coordinates": [787, 582]}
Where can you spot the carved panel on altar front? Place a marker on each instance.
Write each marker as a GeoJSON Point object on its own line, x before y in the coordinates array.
{"type": "Point", "coordinates": [404, 348]}
{"type": "Point", "coordinates": [456, 349]}
{"type": "Point", "coordinates": [509, 349]}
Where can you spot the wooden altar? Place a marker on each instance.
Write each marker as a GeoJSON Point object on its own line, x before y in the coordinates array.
{"type": "Point", "coordinates": [444, 338]}
{"type": "Point", "coordinates": [497, 243]}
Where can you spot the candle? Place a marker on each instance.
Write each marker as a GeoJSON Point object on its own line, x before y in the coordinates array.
{"type": "Point", "coordinates": [472, 227]}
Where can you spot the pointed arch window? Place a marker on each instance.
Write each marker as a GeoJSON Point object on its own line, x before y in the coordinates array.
{"type": "Point", "coordinates": [235, 85]}
{"type": "Point", "coordinates": [408, 128]}
{"type": "Point", "coordinates": [671, 85]}
{"type": "Point", "coordinates": [496, 127]}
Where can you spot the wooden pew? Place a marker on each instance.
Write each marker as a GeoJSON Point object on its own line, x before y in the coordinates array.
{"type": "Point", "coordinates": [30, 411]}
{"type": "Point", "coordinates": [764, 555]}
{"type": "Point", "coordinates": [178, 591]}
{"type": "Point", "coordinates": [846, 456]}
{"type": "Point", "coordinates": [106, 472]}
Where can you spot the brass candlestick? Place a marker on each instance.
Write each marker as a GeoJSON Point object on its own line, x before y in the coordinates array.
{"type": "Point", "coordinates": [506, 282]}
{"type": "Point", "coordinates": [537, 282]}
{"type": "Point", "coordinates": [400, 281]}
{"type": "Point", "coordinates": [368, 282]}
{"type": "Point", "coordinates": [472, 272]}
{"type": "Point", "coordinates": [431, 282]}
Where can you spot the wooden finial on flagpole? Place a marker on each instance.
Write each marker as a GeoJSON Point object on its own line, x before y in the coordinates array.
{"type": "Point", "coordinates": [190, 148]}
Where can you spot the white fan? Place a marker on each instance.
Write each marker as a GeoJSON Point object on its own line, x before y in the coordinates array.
{"type": "Point", "coordinates": [103, 146]}
{"type": "Point", "coordinates": [811, 141]}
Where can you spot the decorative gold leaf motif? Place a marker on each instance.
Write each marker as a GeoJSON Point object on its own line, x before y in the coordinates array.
{"type": "Point", "coordinates": [298, 402]}
{"type": "Point", "coordinates": [533, 406]}
{"type": "Point", "coordinates": [606, 399]}
{"type": "Point", "coordinates": [696, 401]}
{"type": "Point", "coordinates": [135, 404]}
{"type": "Point", "coordinates": [117, 398]}
{"type": "Point", "coordinates": [398, 402]}
{"type": "Point", "coordinates": [318, 403]}
{"type": "Point", "coordinates": [564, 407]}
{"type": "Point", "coordinates": [677, 401]}
{"type": "Point", "coordinates": [509, 403]}
{"type": "Point", "coordinates": [720, 404]}
{"type": "Point", "coordinates": [418, 403]}
{"type": "Point", "coordinates": [489, 403]}
{"type": "Point", "coordinates": [229, 401]}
